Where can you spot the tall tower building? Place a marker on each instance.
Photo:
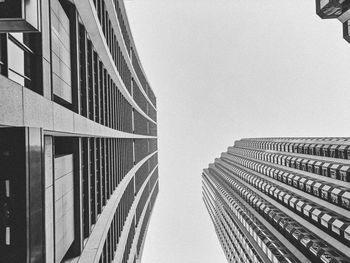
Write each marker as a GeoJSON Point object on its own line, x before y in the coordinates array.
{"type": "Point", "coordinates": [78, 134]}
{"type": "Point", "coordinates": [282, 200]}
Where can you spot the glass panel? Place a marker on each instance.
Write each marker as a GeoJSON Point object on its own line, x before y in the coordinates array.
{"type": "Point", "coordinates": [16, 58]}
{"type": "Point", "coordinates": [19, 63]}
{"type": "Point", "coordinates": [11, 9]}
{"type": "Point", "coordinates": [3, 54]}
{"type": "Point", "coordinates": [25, 38]}
{"type": "Point", "coordinates": [15, 77]}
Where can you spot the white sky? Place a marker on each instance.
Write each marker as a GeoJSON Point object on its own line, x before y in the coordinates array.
{"type": "Point", "coordinates": [224, 70]}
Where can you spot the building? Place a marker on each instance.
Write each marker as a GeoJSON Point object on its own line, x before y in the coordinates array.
{"type": "Point", "coordinates": [282, 200]}
{"type": "Point", "coordinates": [340, 9]}
{"type": "Point", "coordinates": [78, 136]}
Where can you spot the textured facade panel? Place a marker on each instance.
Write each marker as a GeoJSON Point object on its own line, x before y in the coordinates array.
{"type": "Point", "coordinates": [78, 187]}
{"type": "Point", "coordinates": [281, 200]}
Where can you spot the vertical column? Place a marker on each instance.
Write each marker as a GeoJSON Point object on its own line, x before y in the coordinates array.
{"type": "Point", "coordinates": [74, 47]}
{"type": "Point", "coordinates": [21, 195]}
{"type": "Point", "coordinates": [46, 48]}
{"type": "Point", "coordinates": [96, 87]}
{"type": "Point", "coordinates": [49, 198]}
{"type": "Point", "coordinates": [101, 90]}
{"type": "Point", "coordinates": [35, 226]}
{"type": "Point", "coordinates": [83, 72]}
{"type": "Point", "coordinates": [77, 245]}
{"type": "Point", "coordinates": [90, 72]}
{"type": "Point", "coordinates": [86, 185]}
{"type": "Point", "coordinates": [104, 171]}
{"type": "Point", "coordinates": [93, 181]}
{"type": "Point", "coordinates": [133, 120]}
{"type": "Point", "coordinates": [99, 175]}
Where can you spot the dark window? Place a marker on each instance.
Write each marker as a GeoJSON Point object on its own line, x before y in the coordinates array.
{"type": "Point", "coordinates": [3, 55]}
{"type": "Point", "coordinates": [11, 9]}
{"type": "Point", "coordinates": [82, 65]}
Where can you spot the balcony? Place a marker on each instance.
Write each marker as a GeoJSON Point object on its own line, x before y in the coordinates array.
{"type": "Point", "coordinates": [327, 9]}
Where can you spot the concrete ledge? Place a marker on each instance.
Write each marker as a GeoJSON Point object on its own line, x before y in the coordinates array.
{"type": "Point", "coordinates": [11, 103]}
{"type": "Point", "coordinates": [20, 106]}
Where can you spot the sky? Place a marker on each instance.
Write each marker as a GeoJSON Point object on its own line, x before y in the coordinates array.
{"type": "Point", "coordinates": [224, 70]}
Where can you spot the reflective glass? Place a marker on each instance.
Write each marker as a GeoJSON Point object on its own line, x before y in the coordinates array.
{"type": "Point", "coordinates": [19, 64]}
{"type": "Point", "coordinates": [15, 77]}
{"type": "Point", "coordinates": [2, 53]}
{"type": "Point", "coordinates": [11, 9]}
{"type": "Point", "coordinates": [16, 58]}
{"type": "Point", "coordinates": [25, 38]}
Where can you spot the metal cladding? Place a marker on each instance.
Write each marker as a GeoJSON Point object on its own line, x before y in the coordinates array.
{"type": "Point", "coordinates": [281, 200]}
{"type": "Point", "coordinates": [78, 134]}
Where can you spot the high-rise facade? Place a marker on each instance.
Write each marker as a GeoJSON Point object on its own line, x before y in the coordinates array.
{"type": "Point", "coordinates": [339, 9]}
{"type": "Point", "coordinates": [78, 134]}
{"type": "Point", "coordinates": [281, 200]}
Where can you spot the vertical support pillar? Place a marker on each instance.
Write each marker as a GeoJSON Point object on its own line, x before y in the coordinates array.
{"type": "Point", "coordinates": [49, 200]}
{"type": "Point", "coordinates": [21, 195]}
{"type": "Point", "coordinates": [86, 186]}
{"type": "Point", "coordinates": [93, 181]}
{"type": "Point", "coordinates": [74, 47]}
{"type": "Point", "coordinates": [77, 245]}
{"type": "Point", "coordinates": [35, 226]}
{"type": "Point", "coordinates": [46, 48]}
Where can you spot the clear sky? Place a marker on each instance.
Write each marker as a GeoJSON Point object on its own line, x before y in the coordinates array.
{"type": "Point", "coordinates": [224, 70]}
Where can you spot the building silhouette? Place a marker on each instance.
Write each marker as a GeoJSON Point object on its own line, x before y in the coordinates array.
{"type": "Point", "coordinates": [339, 9]}
{"type": "Point", "coordinates": [281, 200]}
{"type": "Point", "coordinates": [78, 134]}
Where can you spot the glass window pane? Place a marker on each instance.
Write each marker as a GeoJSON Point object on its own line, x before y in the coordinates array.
{"type": "Point", "coordinates": [15, 77]}
{"type": "Point", "coordinates": [15, 58]}
{"type": "Point", "coordinates": [3, 54]}
{"type": "Point", "coordinates": [28, 39]}
{"type": "Point", "coordinates": [20, 64]}
{"type": "Point", "coordinates": [11, 9]}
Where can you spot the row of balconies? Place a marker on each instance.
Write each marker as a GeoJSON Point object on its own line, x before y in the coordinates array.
{"type": "Point", "coordinates": [265, 240]}
{"type": "Point", "coordinates": [236, 234]}
{"type": "Point", "coordinates": [234, 239]}
{"type": "Point", "coordinates": [333, 170]}
{"type": "Point", "coordinates": [332, 193]}
{"type": "Point", "coordinates": [336, 224]}
{"type": "Point", "coordinates": [310, 244]}
{"type": "Point", "coordinates": [319, 149]}
{"type": "Point", "coordinates": [271, 246]}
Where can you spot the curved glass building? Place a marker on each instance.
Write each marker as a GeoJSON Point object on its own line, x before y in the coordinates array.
{"type": "Point", "coordinates": [282, 200]}
{"type": "Point", "coordinates": [78, 134]}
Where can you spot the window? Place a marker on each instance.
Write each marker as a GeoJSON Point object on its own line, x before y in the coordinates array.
{"type": "Point", "coordinates": [3, 53]}
{"type": "Point", "coordinates": [21, 59]}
